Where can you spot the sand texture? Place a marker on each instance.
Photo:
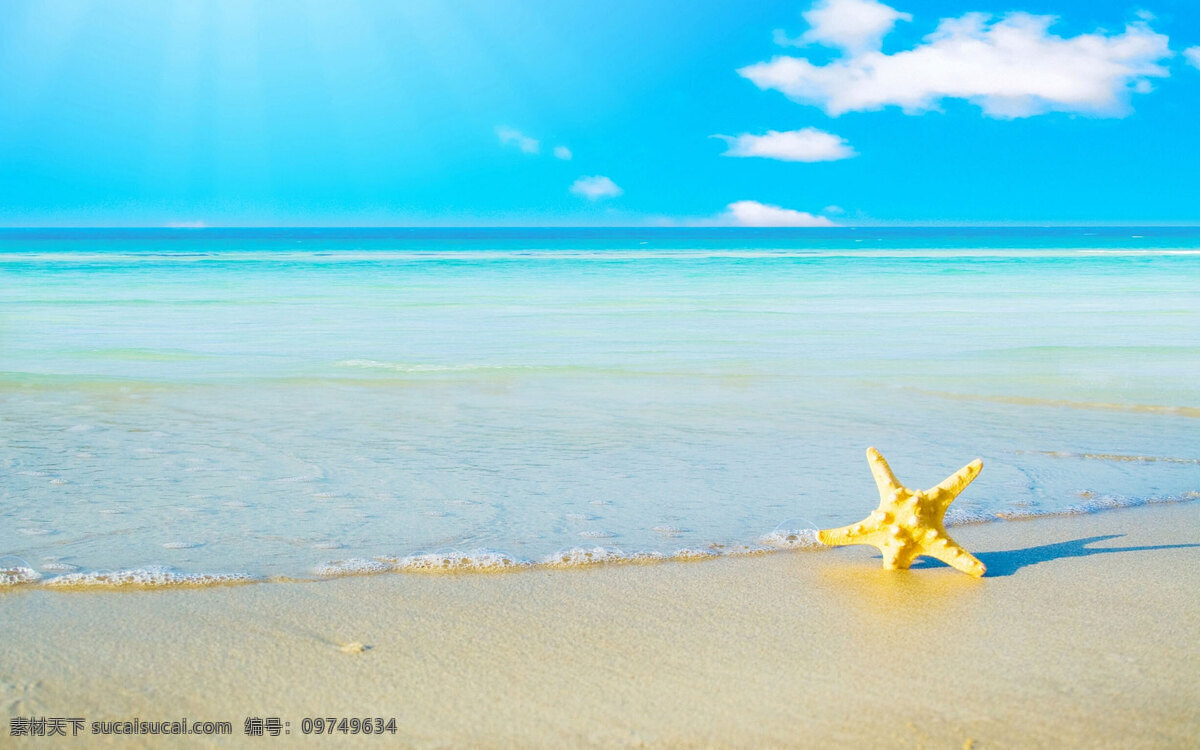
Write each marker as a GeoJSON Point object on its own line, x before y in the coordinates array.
{"type": "Point", "coordinates": [1084, 633]}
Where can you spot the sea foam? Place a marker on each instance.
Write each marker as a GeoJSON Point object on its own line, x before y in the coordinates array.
{"type": "Point", "coordinates": [355, 566]}
{"type": "Point", "coordinates": [1094, 504]}
{"type": "Point", "coordinates": [18, 574]}
{"type": "Point", "coordinates": [478, 561]}
{"type": "Point", "coordinates": [483, 560]}
{"type": "Point", "coordinates": [150, 577]}
{"type": "Point", "coordinates": [791, 538]}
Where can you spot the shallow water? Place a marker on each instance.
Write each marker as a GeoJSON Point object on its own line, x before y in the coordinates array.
{"type": "Point", "coordinates": [267, 403]}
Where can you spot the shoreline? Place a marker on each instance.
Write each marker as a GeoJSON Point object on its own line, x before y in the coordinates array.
{"type": "Point", "coordinates": [1083, 633]}
{"type": "Point", "coordinates": [485, 561]}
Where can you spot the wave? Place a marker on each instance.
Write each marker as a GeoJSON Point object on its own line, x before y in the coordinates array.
{"type": "Point", "coordinates": [422, 368]}
{"type": "Point", "coordinates": [478, 561]}
{"type": "Point", "coordinates": [355, 566]}
{"type": "Point", "coordinates": [371, 364]}
{"type": "Point", "coordinates": [1119, 457]}
{"type": "Point", "coordinates": [17, 575]}
{"type": "Point", "coordinates": [535, 254]}
{"type": "Point", "coordinates": [792, 539]}
{"type": "Point", "coordinates": [21, 575]}
{"type": "Point", "coordinates": [151, 577]}
{"type": "Point", "coordinates": [1180, 411]}
{"type": "Point", "coordinates": [1094, 503]}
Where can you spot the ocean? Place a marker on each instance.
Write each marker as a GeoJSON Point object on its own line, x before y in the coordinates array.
{"type": "Point", "coordinates": [184, 407]}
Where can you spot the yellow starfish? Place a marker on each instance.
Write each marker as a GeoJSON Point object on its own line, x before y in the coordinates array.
{"type": "Point", "coordinates": [908, 524]}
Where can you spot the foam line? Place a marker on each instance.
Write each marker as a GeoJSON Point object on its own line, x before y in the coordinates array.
{"type": "Point", "coordinates": [19, 574]}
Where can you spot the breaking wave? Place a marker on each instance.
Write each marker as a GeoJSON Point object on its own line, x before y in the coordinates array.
{"type": "Point", "coordinates": [15, 572]}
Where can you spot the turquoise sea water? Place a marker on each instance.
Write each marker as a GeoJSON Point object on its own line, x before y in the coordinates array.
{"type": "Point", "coordinates": [310, 402]}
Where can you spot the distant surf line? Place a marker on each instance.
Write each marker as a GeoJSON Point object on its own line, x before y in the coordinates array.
{"type": "Point", "coordinates": [1180, 411]}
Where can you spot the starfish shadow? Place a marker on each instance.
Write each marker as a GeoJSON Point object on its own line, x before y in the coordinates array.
{"type": "Point", "coordinates": [1007, 562]}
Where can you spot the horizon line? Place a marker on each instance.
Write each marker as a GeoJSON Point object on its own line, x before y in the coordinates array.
{"type": "Point", "coordinates": [634, 227]}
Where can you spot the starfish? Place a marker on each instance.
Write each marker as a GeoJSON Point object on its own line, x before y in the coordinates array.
{"type": "Point", "coordinates": [908, 524]}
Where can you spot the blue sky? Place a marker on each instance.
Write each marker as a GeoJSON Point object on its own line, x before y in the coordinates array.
{"type": "Point", "coordinates": [362, 112]}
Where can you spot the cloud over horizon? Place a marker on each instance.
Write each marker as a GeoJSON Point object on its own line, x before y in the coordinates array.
{"type": "Point", "coordinates": [806, 145]}
{"type": "Point", "coordinates": [755, 214]}
{"type": "Point", "coordinates": [1011, 67]}
{"type": "Point", "coordinates": [595, 187]}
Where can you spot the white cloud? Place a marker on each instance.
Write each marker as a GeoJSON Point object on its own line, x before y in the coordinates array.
{"type": "Point", "coordinates": [562, 152]}
{"type": "Point", "coordinates": [595, 187]}
{"type": "Point", "coordinates": [755, 214]}
{"type": "Point", "coordinates": [522, 141]}
{"type": "Point", "coordinates": [1012, 67]}
{"type": "Point", "coordinates": [1193, 56]}
{"type": "Point", "coordinates": [855, 26]}
{"type": "Point", "coordinates": [808, 144]}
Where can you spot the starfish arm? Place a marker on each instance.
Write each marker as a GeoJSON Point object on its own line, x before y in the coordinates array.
{"type": "Point", "coordinates": [957, 482]}
{"type": "Point", "coordinates": [885, 480]}
{"type": "Point", "coordinates": [847, 535]}
{"type": "Point", "coordinates": [957, 558]}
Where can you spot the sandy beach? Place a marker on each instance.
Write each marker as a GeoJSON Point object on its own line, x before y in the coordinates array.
{"type": "Point", "coordinates": [1083, 634]}
{"type": "Point", "coordinates": [524, 373]}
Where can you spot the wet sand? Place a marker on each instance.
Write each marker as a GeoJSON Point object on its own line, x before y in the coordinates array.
{"type": "Point", "coordinates": [1085, 633]}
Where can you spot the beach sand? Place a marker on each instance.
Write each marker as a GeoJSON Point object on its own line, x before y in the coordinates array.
{"type": "Point", "coordinates": [1085, 633]}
